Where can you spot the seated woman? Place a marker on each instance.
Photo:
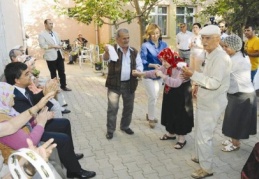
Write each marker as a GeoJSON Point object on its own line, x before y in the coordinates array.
{"type": "Point", "coordinates": [11, 126]}
{"type": "Point", "coordinates": [31, 130]}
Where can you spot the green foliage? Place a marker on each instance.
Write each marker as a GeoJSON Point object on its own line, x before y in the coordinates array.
{"type": "Point", "coordinates": [111, 12]}
{"type": "Point", "coordinates": [35, 72]}
{"type": "Point", "coordinates": [235, 12]}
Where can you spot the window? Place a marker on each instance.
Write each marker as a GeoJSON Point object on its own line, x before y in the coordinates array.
{"type": "Point", "coordinates": [158, 15]}
{"type": "Point", "coordinates": [184, 14]}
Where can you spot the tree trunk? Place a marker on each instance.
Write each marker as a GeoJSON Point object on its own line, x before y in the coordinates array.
{"type": "Point", "coordinates": [140, 20]}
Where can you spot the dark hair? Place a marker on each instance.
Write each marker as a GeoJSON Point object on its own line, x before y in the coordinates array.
{"type": "Point", "coordinates": [14, 71]}
{"type": "Point", "coordinates": [198, 24]}
{"type": "Point", "coordinates": [223, 22]}
{"type": "Point", "coordinates": [46, 21]}
{"type": "Point", "coordinates": [250, 25]}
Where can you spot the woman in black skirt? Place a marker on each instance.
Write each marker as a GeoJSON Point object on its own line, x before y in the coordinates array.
{"type": "Point", "coordinates": [177, 109]}
{"type": "Point", "coordinates": [241, 112]}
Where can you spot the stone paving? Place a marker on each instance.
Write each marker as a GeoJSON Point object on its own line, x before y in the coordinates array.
{"type": "Point", "coordinates": [142, 155]}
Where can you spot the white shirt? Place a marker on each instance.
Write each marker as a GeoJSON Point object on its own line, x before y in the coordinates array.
{"type": "Point", "coordinates": [224, 35]}
{"type": "Point", "coordinates": [240, 77]}
{"type": "Point", "coordinates": [215, 79]}
{"type": "Point", "coordinates": [126, 68]}
{"type": "Point", "coordinates": [183, 40]}
{"type": "Point", "coordinates": [197, 47]}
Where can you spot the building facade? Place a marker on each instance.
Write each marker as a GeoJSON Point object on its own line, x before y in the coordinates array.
{"type": "Point", "coordinates": [20, 17]}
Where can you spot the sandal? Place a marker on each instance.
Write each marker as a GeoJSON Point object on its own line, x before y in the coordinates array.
{"type": "Point", "coordinates": [166, 137]}
{"type": "Point", "coordinates": [226, 142]}
{"type": "Point", "coordinates": [180, 145]}
{"type": "Point", "coordinates": [229, 148]}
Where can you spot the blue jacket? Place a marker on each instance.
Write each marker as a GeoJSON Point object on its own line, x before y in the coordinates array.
{"type": "Point", "coordinates": [149, 53]}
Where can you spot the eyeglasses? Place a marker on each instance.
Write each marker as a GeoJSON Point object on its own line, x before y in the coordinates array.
{"type": "Point", "coordinates": [27, 59]}
{"type": "Point", "coordinates": [182, 27]}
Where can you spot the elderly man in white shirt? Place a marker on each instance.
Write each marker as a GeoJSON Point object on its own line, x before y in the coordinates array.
{"type": "Point", "coordinates": [212, 87]}
{"type": "Point", "coordinates": [183, 40]}
{"type": "Point", "coordinates": [120, 81]}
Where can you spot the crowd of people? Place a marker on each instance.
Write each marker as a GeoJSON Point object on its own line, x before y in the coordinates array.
{"type": "Point", "coordinates": [209, 73]}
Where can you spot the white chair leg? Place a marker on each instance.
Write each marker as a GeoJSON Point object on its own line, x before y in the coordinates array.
{"type": "Point", "coordinates": [80, 62]}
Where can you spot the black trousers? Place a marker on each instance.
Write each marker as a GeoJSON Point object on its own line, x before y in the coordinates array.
{"type": "Point", "coordinates": [58, 65]}
{"type": "Point", "coordinates": [60, 131]}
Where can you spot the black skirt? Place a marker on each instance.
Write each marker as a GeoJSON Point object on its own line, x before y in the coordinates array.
{"type": "Point", "coordinates": [240, 118]}
{"type": "Point", "coordinates": [177, 110]}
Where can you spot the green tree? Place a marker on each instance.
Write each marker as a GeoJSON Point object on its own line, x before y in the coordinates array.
{"type": "Point", "coordinates": [111, 12]}
{"type": "Point", "coordinates": [236, 13]}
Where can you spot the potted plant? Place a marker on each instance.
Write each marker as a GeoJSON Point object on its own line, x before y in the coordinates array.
{"type": "Point", "coordinates": [35, 72]}
{"type": "Point", "coordinates": [98, 66]}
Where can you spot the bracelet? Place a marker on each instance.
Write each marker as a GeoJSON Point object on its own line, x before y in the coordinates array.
{"type": "Point", "coordinates": [34, 159]}
{"type": "Point", "coordinates": [31, 113]}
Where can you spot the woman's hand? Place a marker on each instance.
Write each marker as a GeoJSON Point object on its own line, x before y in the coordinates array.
{"type": "Point", "coordinates": [159, 73]}
{"type": "Point", "coordinates": [45, 99]}
{"type": "Point", "coordinates": [44, 150]}
{"type": "Point", "coordinates": [156, 66]}
{"type": "Point", "coordinates": [186, 73]}
{"type": "Point", "coordinates": [44, 116]}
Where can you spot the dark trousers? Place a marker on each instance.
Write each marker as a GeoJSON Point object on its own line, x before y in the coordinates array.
{"type": "Point", "coordinates": [58, 65]}
{"type": "Point", "coordinates": [113, 106]}
{"type": "Point", "coordinates": [60, 131]}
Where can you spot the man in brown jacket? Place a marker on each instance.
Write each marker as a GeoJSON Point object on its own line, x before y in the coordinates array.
{"type": "Point", "coordinates": [120, 81]}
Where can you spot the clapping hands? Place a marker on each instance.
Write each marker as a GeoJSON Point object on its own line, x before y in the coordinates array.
{"type": "Point", "coordinates": [51, 86]}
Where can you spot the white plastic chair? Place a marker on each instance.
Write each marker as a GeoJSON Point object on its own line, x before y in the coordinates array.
{"type": "Point", "coordinates": [86, 54]}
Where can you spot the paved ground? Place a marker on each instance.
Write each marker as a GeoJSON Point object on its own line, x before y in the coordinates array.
{"type": "Point", "coordinates": [143, 155]}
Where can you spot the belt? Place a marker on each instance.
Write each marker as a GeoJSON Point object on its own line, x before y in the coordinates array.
{"type": "Point", "coordinates": [203, 87]}
{"type": "Point", "coordinates": [125, 81]}
{"type": "Point", "coordinates": [185, 50]}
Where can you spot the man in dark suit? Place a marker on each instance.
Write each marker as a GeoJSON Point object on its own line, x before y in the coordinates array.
{"type": "Point", "coordinates": [18, 74]}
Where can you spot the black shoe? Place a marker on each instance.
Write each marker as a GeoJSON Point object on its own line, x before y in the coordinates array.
{"type": "Point", "coordinates": [79, 156]}
{"type": "Point", "coordinates": [82, 174]}
{"type": "Point", "coordinates": [66, 111]}
{"type": "Point", "coordinates": [70, 63]}
{"type": "Point", "coordinates": [109, 135]}
{"type": "Point", "coordinates": [66, 89]}
{"type": "Point", "coordinates": [128, 131]}
{"type": "Point", "coordinates": [64, 105]}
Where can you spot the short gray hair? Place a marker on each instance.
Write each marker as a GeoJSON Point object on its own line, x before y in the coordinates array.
{"type": "Point", "coordinates": [12, 54]}
{"type": "Point", "coordinates": [126, 31]}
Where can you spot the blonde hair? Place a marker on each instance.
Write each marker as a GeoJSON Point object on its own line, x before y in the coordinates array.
{"type": "Point", "coordinates": [150, 28]}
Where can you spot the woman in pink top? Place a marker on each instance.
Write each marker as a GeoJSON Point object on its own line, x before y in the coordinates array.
{"type": "Point", "coordinates": [32, 130]}
{"type": "Point", "coordinates": [177, 109]}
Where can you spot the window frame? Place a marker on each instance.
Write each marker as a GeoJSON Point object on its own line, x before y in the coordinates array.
{"type": "Point", "coordinates": [155, 14]}
{"type": "Point", "coordinates": [185, 15]}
